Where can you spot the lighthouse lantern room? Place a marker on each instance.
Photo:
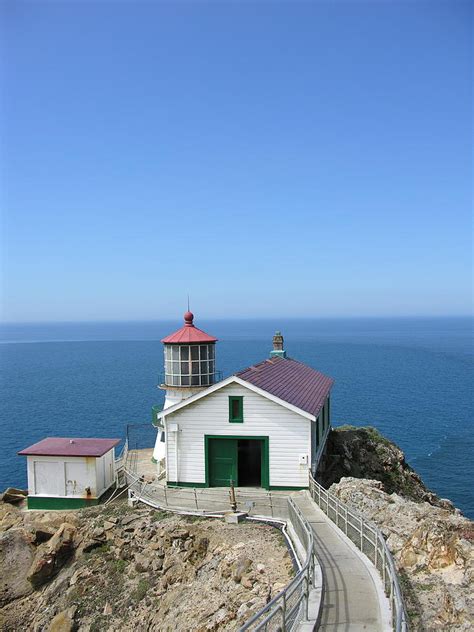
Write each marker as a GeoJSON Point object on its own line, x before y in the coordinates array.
{"type": "Point", "coordinates": [190, 362]}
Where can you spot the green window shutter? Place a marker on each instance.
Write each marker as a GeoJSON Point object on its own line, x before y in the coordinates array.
{"type": "Point", "coordinates": [236, 409]}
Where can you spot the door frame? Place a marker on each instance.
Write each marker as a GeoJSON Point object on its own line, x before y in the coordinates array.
{"type": "Point", "coordinates": [265, 456]}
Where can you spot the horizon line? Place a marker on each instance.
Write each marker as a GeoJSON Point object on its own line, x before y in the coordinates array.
{"type": "Point", "coordinates": [240, 318]}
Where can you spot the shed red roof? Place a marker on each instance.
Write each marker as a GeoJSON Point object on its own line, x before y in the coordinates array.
{"type": "Point", "coordinates": [291, 381]}
{"type": "Point", "coordinates": [65, 446]}
{"type": "Point", "coordinates": [188, 334]}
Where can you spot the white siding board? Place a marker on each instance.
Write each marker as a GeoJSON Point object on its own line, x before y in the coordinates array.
{"type": "Point", "coordinates": [288, 433]}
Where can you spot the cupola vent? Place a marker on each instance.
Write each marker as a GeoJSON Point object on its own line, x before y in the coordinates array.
{"type": "Point", "coordinates": [278, 349]}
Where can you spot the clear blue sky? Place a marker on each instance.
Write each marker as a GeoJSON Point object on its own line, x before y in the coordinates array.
{"type": "Point", "coordinates": [287, 158]}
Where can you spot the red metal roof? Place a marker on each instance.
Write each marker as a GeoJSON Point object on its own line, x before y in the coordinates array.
{"type": "Point", "coordinates": [291, 381]}
{"type": "Point", "coordinates": [65, 446]}
{"type": "Point", "coordinates": [189, 334]}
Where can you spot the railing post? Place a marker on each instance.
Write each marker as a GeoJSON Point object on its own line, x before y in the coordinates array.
{"type": "Point", "coordinates": [195, 499]}
{"type": "Point", "coordinates": [345, 525]}
{"type": "Point", "coordinates": [383, 572]}
{"type": "Point", "coordinates": [283, 623]}
{"type": "Point", "coordinates": [306, 596]}
{"type": "Point", "coordinates": [361, 534]}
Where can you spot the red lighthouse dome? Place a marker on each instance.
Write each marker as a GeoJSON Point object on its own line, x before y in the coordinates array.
{"type": "Point", "coordinates": [188, 334]}
{"type": "Point", "coordinates": [190, 359]}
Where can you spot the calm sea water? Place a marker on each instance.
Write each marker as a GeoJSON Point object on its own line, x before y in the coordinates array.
{"type": "Point", "coordinates": [411, 378]}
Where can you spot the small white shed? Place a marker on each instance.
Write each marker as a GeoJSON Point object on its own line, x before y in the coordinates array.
{"type": "Point", "coordinates": [68, 473]}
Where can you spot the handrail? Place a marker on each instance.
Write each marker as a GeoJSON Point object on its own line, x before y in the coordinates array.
{"type": "Point", "coordinates": [368, 539]}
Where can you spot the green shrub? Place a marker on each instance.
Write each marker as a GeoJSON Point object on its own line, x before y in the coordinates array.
{"type": "Point", "coordinates": [141, 590]}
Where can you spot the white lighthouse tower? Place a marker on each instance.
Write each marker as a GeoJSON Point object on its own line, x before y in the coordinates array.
{"type": "Point", "coordinates": [190, 366]}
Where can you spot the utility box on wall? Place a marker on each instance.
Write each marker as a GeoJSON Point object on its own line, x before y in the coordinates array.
{"type": "Point", "coordinates": [68, 473]}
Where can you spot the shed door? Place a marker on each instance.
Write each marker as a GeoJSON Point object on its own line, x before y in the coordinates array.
{"type": "Point", "coordinates": [77, 478]}
{"type": "Point", "coordinates": [222, 462]}
{"type": "Point", "coordinates": [49, 478]}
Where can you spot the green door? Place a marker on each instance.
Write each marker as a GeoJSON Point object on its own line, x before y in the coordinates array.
{"type": "Point", "coordinates": [222, 462]}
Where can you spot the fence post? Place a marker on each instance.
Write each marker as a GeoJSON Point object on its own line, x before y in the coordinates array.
{"type": "Point", "coordinates": [346, 521]}
{"type": "Point", "coordinates": [361, 534]}
{"type": "Point", "coordinates": [195, 499]}
{"type": "Point", "coordinates": [383, 572]}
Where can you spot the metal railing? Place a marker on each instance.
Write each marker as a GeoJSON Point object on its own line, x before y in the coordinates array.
{"type": "Point", "coordinates": [213, 379]}
{"type": "Point", "coordinates": [368, 539]}
{"type": "Point", "coordinates": [290, 606]}
{"type": "Point", "coordinates": [157, 408]}
{"type": "Point", "coordinates": [203, 500]}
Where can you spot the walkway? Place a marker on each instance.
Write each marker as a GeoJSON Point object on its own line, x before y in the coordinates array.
{"type": "Point", "coordinates": [254, 501]}
{"type": "Point", "coordinates": [353, 598]}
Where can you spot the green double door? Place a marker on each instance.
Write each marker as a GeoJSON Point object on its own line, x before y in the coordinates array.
{"type": "Point", "coordinates": [241, 461]}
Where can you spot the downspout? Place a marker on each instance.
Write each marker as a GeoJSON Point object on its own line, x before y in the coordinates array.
{"type": "Point", "coordinates": [163, 419]}
{"type": "Point", "coordinates": [176, 434]}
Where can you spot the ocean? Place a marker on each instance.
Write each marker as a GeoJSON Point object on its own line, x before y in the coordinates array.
{"type": "Point", "coordinates": [409, 377]}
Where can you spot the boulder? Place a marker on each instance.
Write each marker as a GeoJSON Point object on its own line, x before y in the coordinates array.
{"type": "Point", "coordinates": [240, 567]}
{"type": "Point", "coordinates": [52, 556]}
{"type": "Point", "coordinates": [16, 556]}
{"type": "Point", "coordinates": [13, 495]}
{"type": "Point", "coordinates": [246, 581]}
{"type": "Point", "coordinates": [10, 516]}
{"type": "Point", "coordinates": [40, 534]}
{"type": "Point", "coordinates": [62, 622]}
{"type": "Point", "coordinates": [90, 545]}
{"type": "Point", "coordinates": [142, 563]}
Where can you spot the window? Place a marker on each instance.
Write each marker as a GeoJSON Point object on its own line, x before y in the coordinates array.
{"type": "Point", "coordinates": [236, 409]}
{"type": "Point", "coordinates": [189, 365]}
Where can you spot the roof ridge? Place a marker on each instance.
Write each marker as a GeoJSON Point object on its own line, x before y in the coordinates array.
{"type": "Point", "coordinates": [259, 364]}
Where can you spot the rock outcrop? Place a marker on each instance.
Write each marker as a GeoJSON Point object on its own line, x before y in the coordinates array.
{"type": "Point", "coordinates": [52, 556]}
{"type": "Point", "coordinates": [365, 453]}
{"type": "Point", "coordinates": [117, 568]}
{"type": "Point", "coordinates": [433, 548]}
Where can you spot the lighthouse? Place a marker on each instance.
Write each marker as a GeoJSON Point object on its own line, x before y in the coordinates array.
{"type": "Point", "coordinates": [189, 367]}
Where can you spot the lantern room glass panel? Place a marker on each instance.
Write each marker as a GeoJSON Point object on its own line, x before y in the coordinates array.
{"type": "Point", "coordinates": [189, 365]}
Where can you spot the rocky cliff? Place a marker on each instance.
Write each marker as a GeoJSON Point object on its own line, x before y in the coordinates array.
{"type": "Point", "coordinates": [365, 453]}
{"type": "Point", "coordinates": [117, 569]}
{"type": "Point", "coordinates": [431, 541]}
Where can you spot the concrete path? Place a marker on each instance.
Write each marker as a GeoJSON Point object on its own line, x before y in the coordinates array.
{"type": "Point", "coordinates": [353, 598]}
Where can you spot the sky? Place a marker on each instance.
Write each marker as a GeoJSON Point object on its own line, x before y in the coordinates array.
{"type": "Point", "coordinates": [266, 158]}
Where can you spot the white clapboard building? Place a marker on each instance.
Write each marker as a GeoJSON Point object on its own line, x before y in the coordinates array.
{"type": "Point", "coordinates": [67, 473]}
{"type": "Point", "coordinates": [265, 426]}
